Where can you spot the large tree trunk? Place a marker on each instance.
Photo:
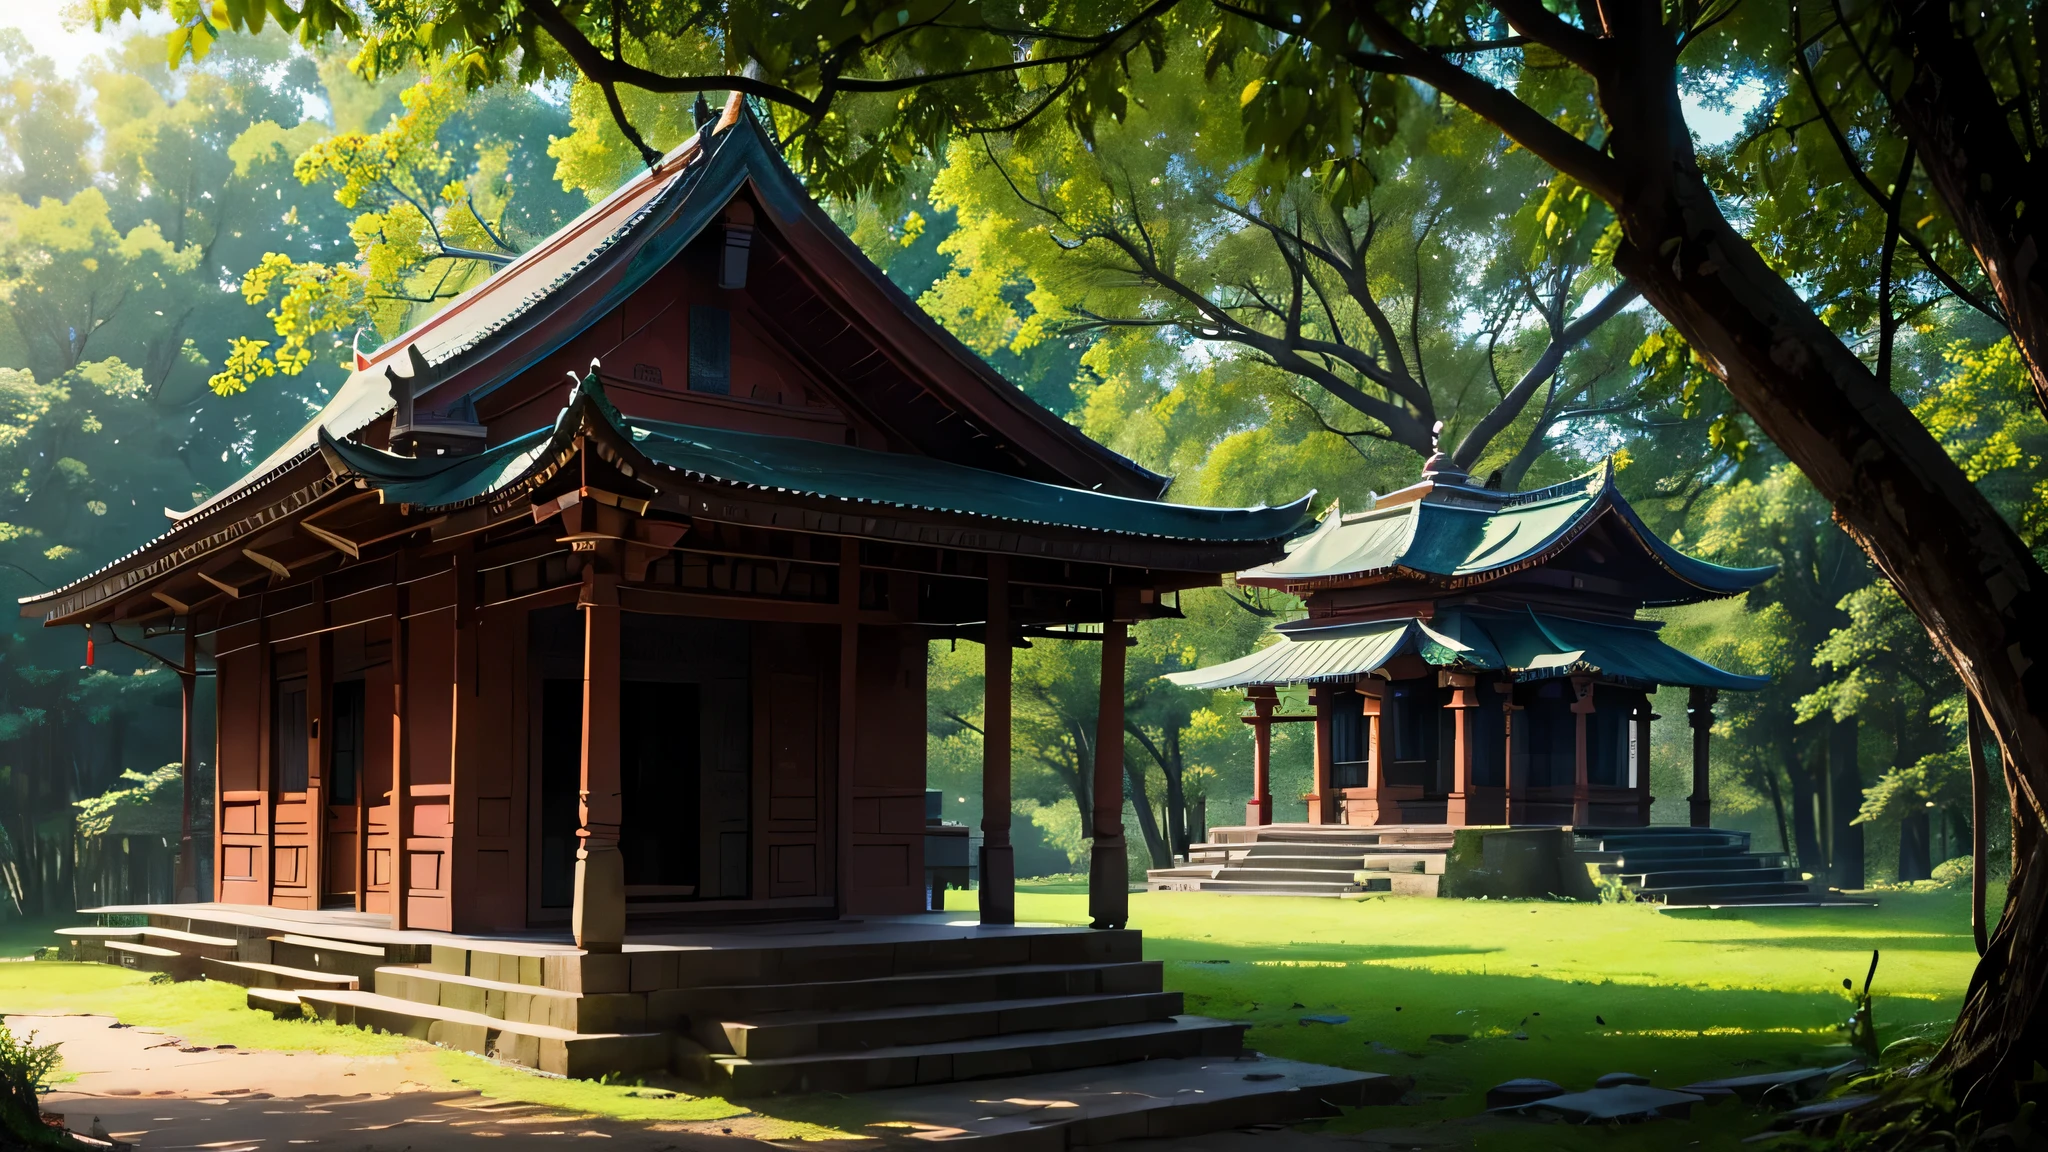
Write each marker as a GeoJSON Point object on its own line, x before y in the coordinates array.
{"type": "Point", "coordinates": [1955, 561]}
{"type": "Point", "coordinates": [1805, 821]}
{"type": "Point", "coordinates": [1916, 855]}
{"type": "Point", "coordinates": [1845, 799]}
{"type": "Point", "coordinates": [1962, 133]}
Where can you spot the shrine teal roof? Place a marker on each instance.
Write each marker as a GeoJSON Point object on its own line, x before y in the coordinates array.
{"type": "Point", "coordinates": [1528, 645]}
{"type": "Point", "coordinates": [806, 468]}
{"type": "Point", "coordinates": [1457, 536]}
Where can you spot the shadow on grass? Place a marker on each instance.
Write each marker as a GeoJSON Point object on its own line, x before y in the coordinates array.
{"type": "Point", "coordinates": [1927, 943]}
{"type": "Point", "coordinates": [1457, 1034]}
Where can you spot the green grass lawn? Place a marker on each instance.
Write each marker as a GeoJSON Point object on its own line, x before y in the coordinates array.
{"type": "Point", "coordinates": [1594, 988]}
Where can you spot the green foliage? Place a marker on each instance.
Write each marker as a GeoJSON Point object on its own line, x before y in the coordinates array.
{"type": "Point", "coordinates": [429, 222]}
{"type": "Point", "coordinates": [148, 806]}
{"type": "Point", "coordinates": [25, 1066]}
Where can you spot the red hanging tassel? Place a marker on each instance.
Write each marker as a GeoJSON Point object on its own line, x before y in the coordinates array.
{"type": "Point", "coordinates": [88, 649]}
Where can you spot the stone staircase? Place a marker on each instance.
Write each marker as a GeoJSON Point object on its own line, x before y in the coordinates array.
{"type": "Point", "coordinates": [1684, 867]}
{"type": "Point", "coordinates": [781, 1015]}
{"type": "Point", "coordinates": [1305, 860]}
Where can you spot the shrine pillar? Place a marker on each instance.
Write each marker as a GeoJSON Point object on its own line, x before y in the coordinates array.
{"type": "Point", "coordinates": [598, 917]}
{"type": "Point", "coordinates": [1464, 698]}
{"type": "Point", "coordinates": [1582, 786]}
{"type": "Point", "coordinates": [998, 864]}
{"type": "Point", "coordinates": [1260, 810]}
{"type": "Point", "coordinates": [1320, 793]}
{"type": "Point", "coordinates": [1699, 712]}
{"type": "Point", "coordinates": [1371, 692]}
{"type": "Point", "coordinates": [1109, 887]}
{"type": "Point", "coordinates": [188, 864]}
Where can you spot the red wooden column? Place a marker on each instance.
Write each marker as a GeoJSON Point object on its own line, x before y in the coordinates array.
{"type": "Point", "coordinates": [1109, 881]}
{"type": "Point", "coordinates": [1371, 799]}
{"type": "Point", "coordinates": [188, 676]}
{"type": "Point", "coordinates": [401, 761]}
{"type": "Point", "coordinates": [1582, 788]}
{"type": "Point", "coordinates": [1319, 794]}
{"type": "Point", "coordinates": [599, 914]}
{"type": "Point", "coordinates": [1260, 809]}
{"type": "Point", "coordinates": [998, 861]}
{"type": "Point", "coordinates": [1699, 712]}
{"type": "Point", "coordinates": [1464, 698]}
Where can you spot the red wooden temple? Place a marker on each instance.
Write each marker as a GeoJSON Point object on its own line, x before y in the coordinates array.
{"type": "Point", "coordinates": [1476, 657]}
{"type": "Point", "coordinates": [604, 594]}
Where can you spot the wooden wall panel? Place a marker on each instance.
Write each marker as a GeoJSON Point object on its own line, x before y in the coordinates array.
{"type": "Point", "coordinates": [244, 865]}
{"type": "Point", "coordinates": [489, 859]}
{"type": "Point", "coordinates": [376, 786]}
{"type": "Point", "coordinates": [429, 684]}
{"type": "Point", "coordinates": [793, 741]}
{"type": "Point", "coordinates": [887, 855]}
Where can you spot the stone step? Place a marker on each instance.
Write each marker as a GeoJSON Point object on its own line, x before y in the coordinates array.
{"type": "Point", "coordinates": [651, 969]}
{"type": "Point", "coordinates": [1724, 893]}
{"type": "Point", "coordinates": [1430, 862]}
{"type": "Point", "coordinates": [588, 1012]}
{"type": "Point", "coordinates": [554, 1050]}
{"type": "Point", "coordinates": [152, 958]}
{"type": "Point", "coordinates": [1303, 849]}
{"type": "Point", "coordinates": [252, 974]}
{"type": "Point", "coordinates": [1257, 888]}
{"type": "Point", "coordinates": [974, 1059]}
{"type": "Point", "coordinates": [1158, 1100]}
{"type": "Point", "coordinates": [1665, 862]}
{"type": "Point", "coordinates": [89, 933]}
{"type": "Point", "coordinates": [1264, 875]}
{"type": "Point", "coordinates": [1704, 877]}
{"type": "Point", "coordinates": [1624, 843]}
{"type": "Point", "coordinates": [1193, 871]}
{"type": "Point", "coordinates": [780, 1034]}
{"type": "Point", "coordinates": [278, 1002]}
{"type": "Point", "coordinates": [670, 1007]}
{"type": "Point", "coordinates": [318, 954]}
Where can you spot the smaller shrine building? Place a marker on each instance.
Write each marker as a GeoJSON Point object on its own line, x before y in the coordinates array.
{"type": "Point", "coordinates": [1476, 657]}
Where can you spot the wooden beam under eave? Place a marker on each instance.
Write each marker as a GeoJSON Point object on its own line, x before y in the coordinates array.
{"type": "Point", "coordinates": [276, 567]}
{"type": "Point", "coordinates": [353, 548]}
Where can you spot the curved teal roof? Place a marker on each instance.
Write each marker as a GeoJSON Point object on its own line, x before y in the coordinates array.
{"type": "Point", "coordinates": [1528, 645]}
{"type": "Point", "coordinates": [799, 467]}
{"type": "Point", "coordinates": [1459, 536]}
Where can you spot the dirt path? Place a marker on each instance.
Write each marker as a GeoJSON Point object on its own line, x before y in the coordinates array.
{"type": "Point", "coordinates": [151, 1090]}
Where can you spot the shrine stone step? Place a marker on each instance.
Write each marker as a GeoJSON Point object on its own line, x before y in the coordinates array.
{"type": "Point", "coordinates": [1702, 838]}
{"type": "Point", "coordinates": [652, 969]}
{"type": "Point", "coordinates": [974, 1059]}
{"type": "Point", "coordinates": [1259, 888]}
{"type": "Point", "coordinates": [1430, 862]}
{"type": "Point", "coordinates": [1017, 982]}
{"type": "Point", "coordinates": [1704, 877]}
{"type": "Point", "coordinates": [152, 958]}
{"type": "Point", "coordinates": [278, 1002]}
{"type": "Point", "coordinates": [1725, 893]}
{"type": "Point", "coordinates": [554, 1050]}
{"type": "Point", "coordinates": [319, 954]}
{"type": "Point", "coordinates": [255, 974]}
{"type": "Point", "coordinates": [781, 1034]}
{"type": "Point", "coordinates": [589, 1012]}
{"type": "Point", "coordinates": [1165, 1101]}
{"type": "Point", "coordinates": [1676, 858]}
{"type": "Point", "coordinates": [1265, 875]}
